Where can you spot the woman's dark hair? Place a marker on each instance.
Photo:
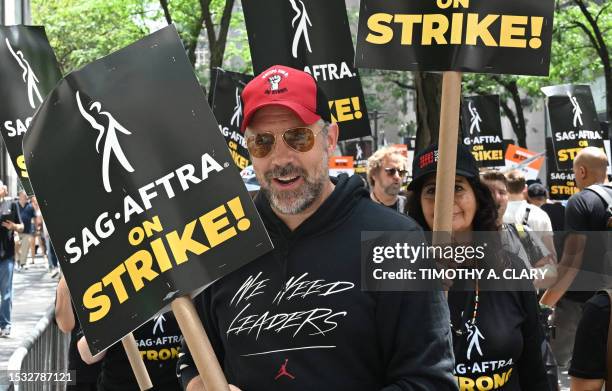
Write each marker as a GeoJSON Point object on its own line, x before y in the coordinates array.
{"type": "Point", "coordinates": [485, 218]}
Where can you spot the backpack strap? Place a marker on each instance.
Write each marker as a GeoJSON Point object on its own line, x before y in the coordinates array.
{"type": "Point", "coordinates": [601, 191]}
{"type": "Point", "coordinates": [526, 217]}
{"type": "Point", "coordinates": [609, 351]}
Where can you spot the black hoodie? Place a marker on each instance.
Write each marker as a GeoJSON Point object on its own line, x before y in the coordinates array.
{"type": "Point", "coordinates": [296, 318]}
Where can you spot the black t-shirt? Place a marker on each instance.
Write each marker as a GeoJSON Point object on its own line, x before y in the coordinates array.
{"type": "Point", "coordinates": [556, 213]}
{"type": "Point", "coordinates": [503, 351]}
{"type": "Point", "coordinates": [585, 211]}
{"type": "Point", "coordinates": [159, 341]}
{"type": "Point", "coordinates": [84, 373]}
{"type": "Point", "coordinates": [590, 346]}
{"type": "Point", "coordinates": [8, 211]}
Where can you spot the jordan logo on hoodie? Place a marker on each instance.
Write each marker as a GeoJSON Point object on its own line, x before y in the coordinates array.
{"type": "Point", "coordinates": [283, 371]}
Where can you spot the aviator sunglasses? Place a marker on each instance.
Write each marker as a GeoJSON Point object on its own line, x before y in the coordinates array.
{"type": "Point", "coordinates": [392, 170]}
{"type": "Point", "coordinates": [300, 139]}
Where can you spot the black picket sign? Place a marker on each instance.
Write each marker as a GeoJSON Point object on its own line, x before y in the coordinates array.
{"type": "Point", "coordinates": [561, 184]}
{"type": "Point", "coordinates": [314, 36]}
{"type": "Point", "coordinates": [481, 128]}
{"type": "Point", "coordinates": [138, 189]}
{"type": "Point", "coordinates": [573, 121]}
{"type": "Point", "coordinates": [28, 71]}
{"type": "Point", "coordinates": [512, 37]}
{"type": "Point", "coordinates": [226, 104]}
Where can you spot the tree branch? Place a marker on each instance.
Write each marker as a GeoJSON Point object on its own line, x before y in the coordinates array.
{"type": "Point", "coordinates": [601, 11]}
{"type": "Point", "coordinates": [404, 85]}
{"type": "Point", "coordinates": [208, 22]}
{"type": "Point", "coordinates": [164, 5]}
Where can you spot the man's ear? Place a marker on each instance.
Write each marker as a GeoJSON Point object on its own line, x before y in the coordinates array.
{"type": "Point", "coordinates": [332, 137]}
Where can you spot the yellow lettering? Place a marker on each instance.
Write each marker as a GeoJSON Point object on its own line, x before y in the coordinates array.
{"type": "Point", "coordinates": [137, 274]}
{"type": "Point", "coordinates": [164, 354]}
{"type": "Point", "coordinates": [484, 383]}
{"type": "Point", "coordinates": [152, 226]}
{"type": "Point", "coordinates": [212, 225]}
{"type": "Point", "coordinates": [513, 27]}
{"type": "Point", "coordinates": [180, 245]}
{"type": "Point", "coordinates": [22, 166]}
{"type": "Point", "coordinates": [91, 301]}
{"type": "Point", "coordinates": [456, 29]}
{"type": "Point", "coordinates": [480, 29]}
{"type": "Point", "coordinates": [466, 384]}
{"type": "Point", "coordinates": [408, 22]}
{"type": "Point", "coordinates": [380, 33]}
{"type": "Point", "coordinates": [114, 278]}
{"type": "Point", "coordinates": [434, 27]}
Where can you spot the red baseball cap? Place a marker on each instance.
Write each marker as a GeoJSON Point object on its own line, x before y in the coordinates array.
{"type": "Point", "coordinates": [288, 87]}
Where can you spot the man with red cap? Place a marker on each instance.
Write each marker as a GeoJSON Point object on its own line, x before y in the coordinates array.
{"type": "Point", "coordinates": [297, 318]}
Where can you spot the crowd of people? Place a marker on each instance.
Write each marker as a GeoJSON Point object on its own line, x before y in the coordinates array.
{"type": "Point", "coordinates": [297, 318]}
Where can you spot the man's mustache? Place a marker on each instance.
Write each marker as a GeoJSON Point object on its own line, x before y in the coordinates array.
{"type": "Point", "coordinates": [283, 171]}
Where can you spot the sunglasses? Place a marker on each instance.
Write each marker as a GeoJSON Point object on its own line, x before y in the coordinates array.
{"type": "Point", "coordinates": [391, 171]}
{"type": "Point", "coordinates": [299, 139]}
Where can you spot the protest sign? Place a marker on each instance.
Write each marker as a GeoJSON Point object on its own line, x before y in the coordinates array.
{"type": "Point", "coordinates": [161, 209]}
{"type": "Point", "coordinates": [28, 71]}
{"type": "Point", "coordinates": [360, 150]}
{"type": "Point", "coordinates": [341, 165]}
{"type": "Point", "coordinates": [528, 162]}
{"type": "Point", "coordinates": [226, 105]}
{"type": "Point", "coordinates": [481, 128]}
{"type": "Point", "coordinates": [460, 35]}
{"type": "Point", "coordinates": [454, 36]}
{"type": "Point", "coordinates": [573, 122]}
{"type": "Point", "coordinates": [313, 36]}
{"type": "Point", "coordinates": [561, 184]}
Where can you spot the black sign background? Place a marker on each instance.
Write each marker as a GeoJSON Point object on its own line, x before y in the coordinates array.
{"type": "Point", "coordinates": [150, 89]}
{"type": "Point", "coordinates": [37, 64]}
{"type": "Point", "coordinates": [561, 184]}
{"type": "Point", "coordinates": [446, 57]}
{"type": "Point", "coordinates": [226, 104]}
{"type": "Point", "coordinates": [478, 135]}
{"type": "Point", "coordinates": [360, 159]}
{"type": "Point", "coordinates": [271, 37]}
{"type": "Point", "coordinates": [561, 112]}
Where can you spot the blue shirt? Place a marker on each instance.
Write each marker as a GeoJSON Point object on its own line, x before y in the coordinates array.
{"type": "Point", "coordinates": [27, 213]}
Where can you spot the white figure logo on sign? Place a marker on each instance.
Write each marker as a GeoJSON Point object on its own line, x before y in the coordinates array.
{"type": "Point", "coordinates": [111, 142]}
{"type": "Point", "coordinates": [28, 76]}
{"type": "Point", "coordinates": [301, 31]}
{"type": "Point", "coordinates": [576, 110]}
{"type": "Point", "coordinates": [475, 119]}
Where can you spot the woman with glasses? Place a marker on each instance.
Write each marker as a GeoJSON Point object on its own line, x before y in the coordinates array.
{"type": "Point", "coordinates": [496, 334]}
{"type": "Point", "coordinates": [386, 173]}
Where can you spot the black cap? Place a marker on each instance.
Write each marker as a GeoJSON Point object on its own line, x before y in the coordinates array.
{"type": "Point", "coordinates": [426, 162]}
{"type": "Point", "coordinates": [536, 190]}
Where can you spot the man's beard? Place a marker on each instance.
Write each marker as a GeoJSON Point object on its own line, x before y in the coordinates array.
{"type": "Point", "coordinates": [291, 202]}
{"type": "Point", "coordinates": [392, 189]}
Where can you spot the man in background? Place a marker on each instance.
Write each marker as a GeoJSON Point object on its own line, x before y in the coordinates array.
{"type": "Point", "coordinates": [386, 172]}
{"type": "Point", "coordinates": [27, 213]}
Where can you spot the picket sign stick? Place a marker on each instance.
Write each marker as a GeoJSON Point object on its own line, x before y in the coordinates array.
{"type": "Point", "coordinates": [447, 156]}
{"type": "Point", "coordinates": [138, 366]}
{"type": "Point", "coordinates": [201, 350]}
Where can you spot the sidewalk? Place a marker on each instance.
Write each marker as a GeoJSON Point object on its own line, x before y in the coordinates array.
{"type": "Point", "coordinates": [33, 293]}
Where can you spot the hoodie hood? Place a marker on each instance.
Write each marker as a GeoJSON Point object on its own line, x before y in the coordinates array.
{"type": "Point", "coordinates": [335, 209]}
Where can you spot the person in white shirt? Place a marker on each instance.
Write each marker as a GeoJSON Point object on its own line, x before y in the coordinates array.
{"type": "Point", "coordinates": [519, 211]}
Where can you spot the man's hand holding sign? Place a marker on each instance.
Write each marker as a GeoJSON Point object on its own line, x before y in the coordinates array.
{"type": "Point", "coordinates": [162, 209]}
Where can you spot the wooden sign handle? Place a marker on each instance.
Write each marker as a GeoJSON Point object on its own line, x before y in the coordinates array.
{"type": "Point", "coordinates": [138, 366]}
{"type": "Point", "coordinates": [199, 345]}
{"type": "Point", "coordinates": [447, 153]}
